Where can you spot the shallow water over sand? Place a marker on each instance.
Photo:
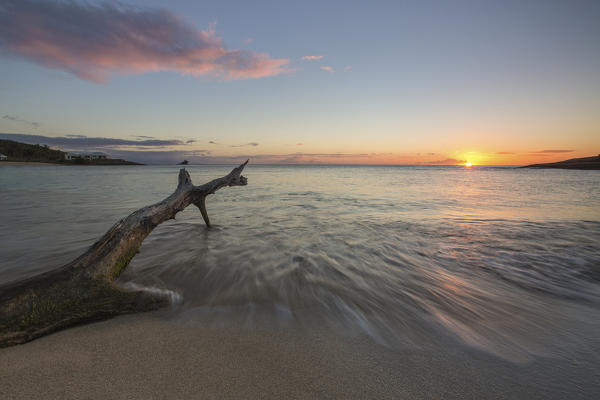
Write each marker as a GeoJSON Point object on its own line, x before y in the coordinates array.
{"type": "Point", "coordinates": [505, 260]}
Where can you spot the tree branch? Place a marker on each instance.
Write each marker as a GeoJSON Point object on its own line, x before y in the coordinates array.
{"type": "Point", "coordinates": [83, 290]}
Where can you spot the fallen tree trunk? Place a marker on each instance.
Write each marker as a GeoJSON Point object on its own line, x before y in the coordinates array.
{"type": "Point", "coordinates": [84, 289]}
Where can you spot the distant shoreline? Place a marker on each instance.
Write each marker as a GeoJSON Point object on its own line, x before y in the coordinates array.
{"type": "Point", "coordinates": [568, 164]}
{"type": "Point", "coordinates": [13, 163]}
{"type": "Point", "coordinates": [17, 153]}
{"type": "Point", "coordinates": [108, 162]}
{"type": "Point", "coordinates": [585, 163]}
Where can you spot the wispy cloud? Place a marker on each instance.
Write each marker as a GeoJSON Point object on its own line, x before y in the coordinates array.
{"type": "Point", "coordinates": [248, 40]}
{"type": "Point", "coordinates": [252, 144]}
{"type": "Point", "coordinates": [21, 120]}
{"type": "Point", "coordinates": [82, 141]}
{"type": "Point", "coordinates": [311, 58]}
{"type": "Point", "coordinates": [164, 157]}
{"type": "Point", "coordinates": [205, 157]}
{"type": "Point", "coordinates": [447, 161]}
{"type": "Point", "coordinates": [91, 41]}
{"type": "Point", "coordinates": [504, 152]}
{"type": "Point", "coordinates": [347, 67]}
{"type": "Point", "coordinates": [157, 151]}
{"type": "Point", "coordinates": [327, 68]}
{"type": "Point", "coordinates": [553, 151]}
{"type": "Point", "coordinates": [296, 158]}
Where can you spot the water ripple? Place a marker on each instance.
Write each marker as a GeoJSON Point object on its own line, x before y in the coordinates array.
{"type": "Point", "coordinates": [498, 259]}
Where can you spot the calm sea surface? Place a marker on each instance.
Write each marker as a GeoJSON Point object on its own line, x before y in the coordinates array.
{"type": "Point", "coordinates": [505, 260]}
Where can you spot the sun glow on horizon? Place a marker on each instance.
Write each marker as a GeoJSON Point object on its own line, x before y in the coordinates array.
{"type": "Point", "coordinates": [468, 164]}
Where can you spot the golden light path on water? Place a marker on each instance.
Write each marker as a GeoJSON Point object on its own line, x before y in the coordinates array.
{"type": "Point", "coordinates": [500, 259]}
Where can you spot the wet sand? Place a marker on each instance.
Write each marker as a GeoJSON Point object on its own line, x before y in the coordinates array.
{"type": "Point", "coordinates": [149, 356]}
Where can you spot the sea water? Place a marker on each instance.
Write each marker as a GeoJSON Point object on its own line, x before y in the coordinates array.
{"type": "Point", "coordinates": [502, 259]}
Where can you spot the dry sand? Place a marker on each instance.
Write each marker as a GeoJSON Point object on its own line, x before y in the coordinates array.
{"type": "Point", "coordinates": [151, 357]}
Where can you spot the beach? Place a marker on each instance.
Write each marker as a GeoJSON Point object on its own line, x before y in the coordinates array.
{"type": "Point", "coordinates": [321, 282]}
{"type": "Point", "coordinates": [299, 200]}
{"type": "Point", "coordinates": [148, 356]}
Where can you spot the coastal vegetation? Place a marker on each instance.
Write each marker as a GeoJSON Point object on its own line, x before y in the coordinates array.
{"type": "Point", "coordinates": [16, 151]}
{"type": "Point", "coordinates": [23, 152]}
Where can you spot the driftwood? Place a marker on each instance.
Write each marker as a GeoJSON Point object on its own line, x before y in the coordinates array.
{"type": "Point", "coordinates": [84, 289]}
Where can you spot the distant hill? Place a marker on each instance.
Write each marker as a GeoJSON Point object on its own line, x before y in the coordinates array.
{"type": "Point", "coordinates": [16, 151]}
{"type": "Point", "coordinates": [573, 163]}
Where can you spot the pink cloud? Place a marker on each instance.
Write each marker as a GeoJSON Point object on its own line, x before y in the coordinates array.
{"type": "Point", "coordinates": [93, 41]}
{"type": "Point", "coordinates": [310, 58]}
{"type": "Point", "coordinates": [327, 68]}
{"type": "Point", "coordinates": [347, 67]}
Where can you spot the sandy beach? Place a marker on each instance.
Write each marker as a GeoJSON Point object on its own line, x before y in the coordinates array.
{"type": "Point", "coordinates": [299, 200]}
{"type": "Point", "coordinates": [148, 357]}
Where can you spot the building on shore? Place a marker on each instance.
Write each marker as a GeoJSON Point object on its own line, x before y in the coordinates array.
{"type": "Point", "coordinates": [85, 156]}
{"type": "Point", "coordinates": [3, 157]}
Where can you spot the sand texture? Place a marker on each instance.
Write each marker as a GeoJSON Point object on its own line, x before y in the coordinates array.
{"type": "Point", "coordinates": [151, 357]}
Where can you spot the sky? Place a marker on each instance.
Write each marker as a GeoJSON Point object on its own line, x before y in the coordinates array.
{"type": "Point", "coordinates": [378, 82]}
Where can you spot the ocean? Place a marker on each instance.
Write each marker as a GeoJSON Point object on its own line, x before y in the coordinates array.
{"type": "Point", "coordinates": [500, 259]}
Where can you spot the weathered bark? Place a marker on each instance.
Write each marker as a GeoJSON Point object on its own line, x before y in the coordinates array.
{"type": "Point", "coordinates": [83, 290]}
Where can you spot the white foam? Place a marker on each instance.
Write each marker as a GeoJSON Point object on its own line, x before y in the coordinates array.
{"type": "Point", "coordinates": [173, 296]}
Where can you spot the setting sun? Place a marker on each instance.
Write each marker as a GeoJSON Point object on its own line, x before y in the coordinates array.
{"type": "Point", "coordinates": [468, 164]}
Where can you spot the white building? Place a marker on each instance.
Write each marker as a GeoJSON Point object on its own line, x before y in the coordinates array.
{"type": "Point", "coordinates": [86, 156]}
{"type": "Point", "coordinates": [98, 156]}
{"type": "Point", "coordinates": [3, 157]}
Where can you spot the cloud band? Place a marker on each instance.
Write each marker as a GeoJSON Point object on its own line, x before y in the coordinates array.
{"type": "Point", "coordinates": [93, 41]}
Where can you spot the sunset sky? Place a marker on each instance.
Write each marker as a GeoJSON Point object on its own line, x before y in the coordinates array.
{"type": "Point", "coordinates": [377, 82]}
